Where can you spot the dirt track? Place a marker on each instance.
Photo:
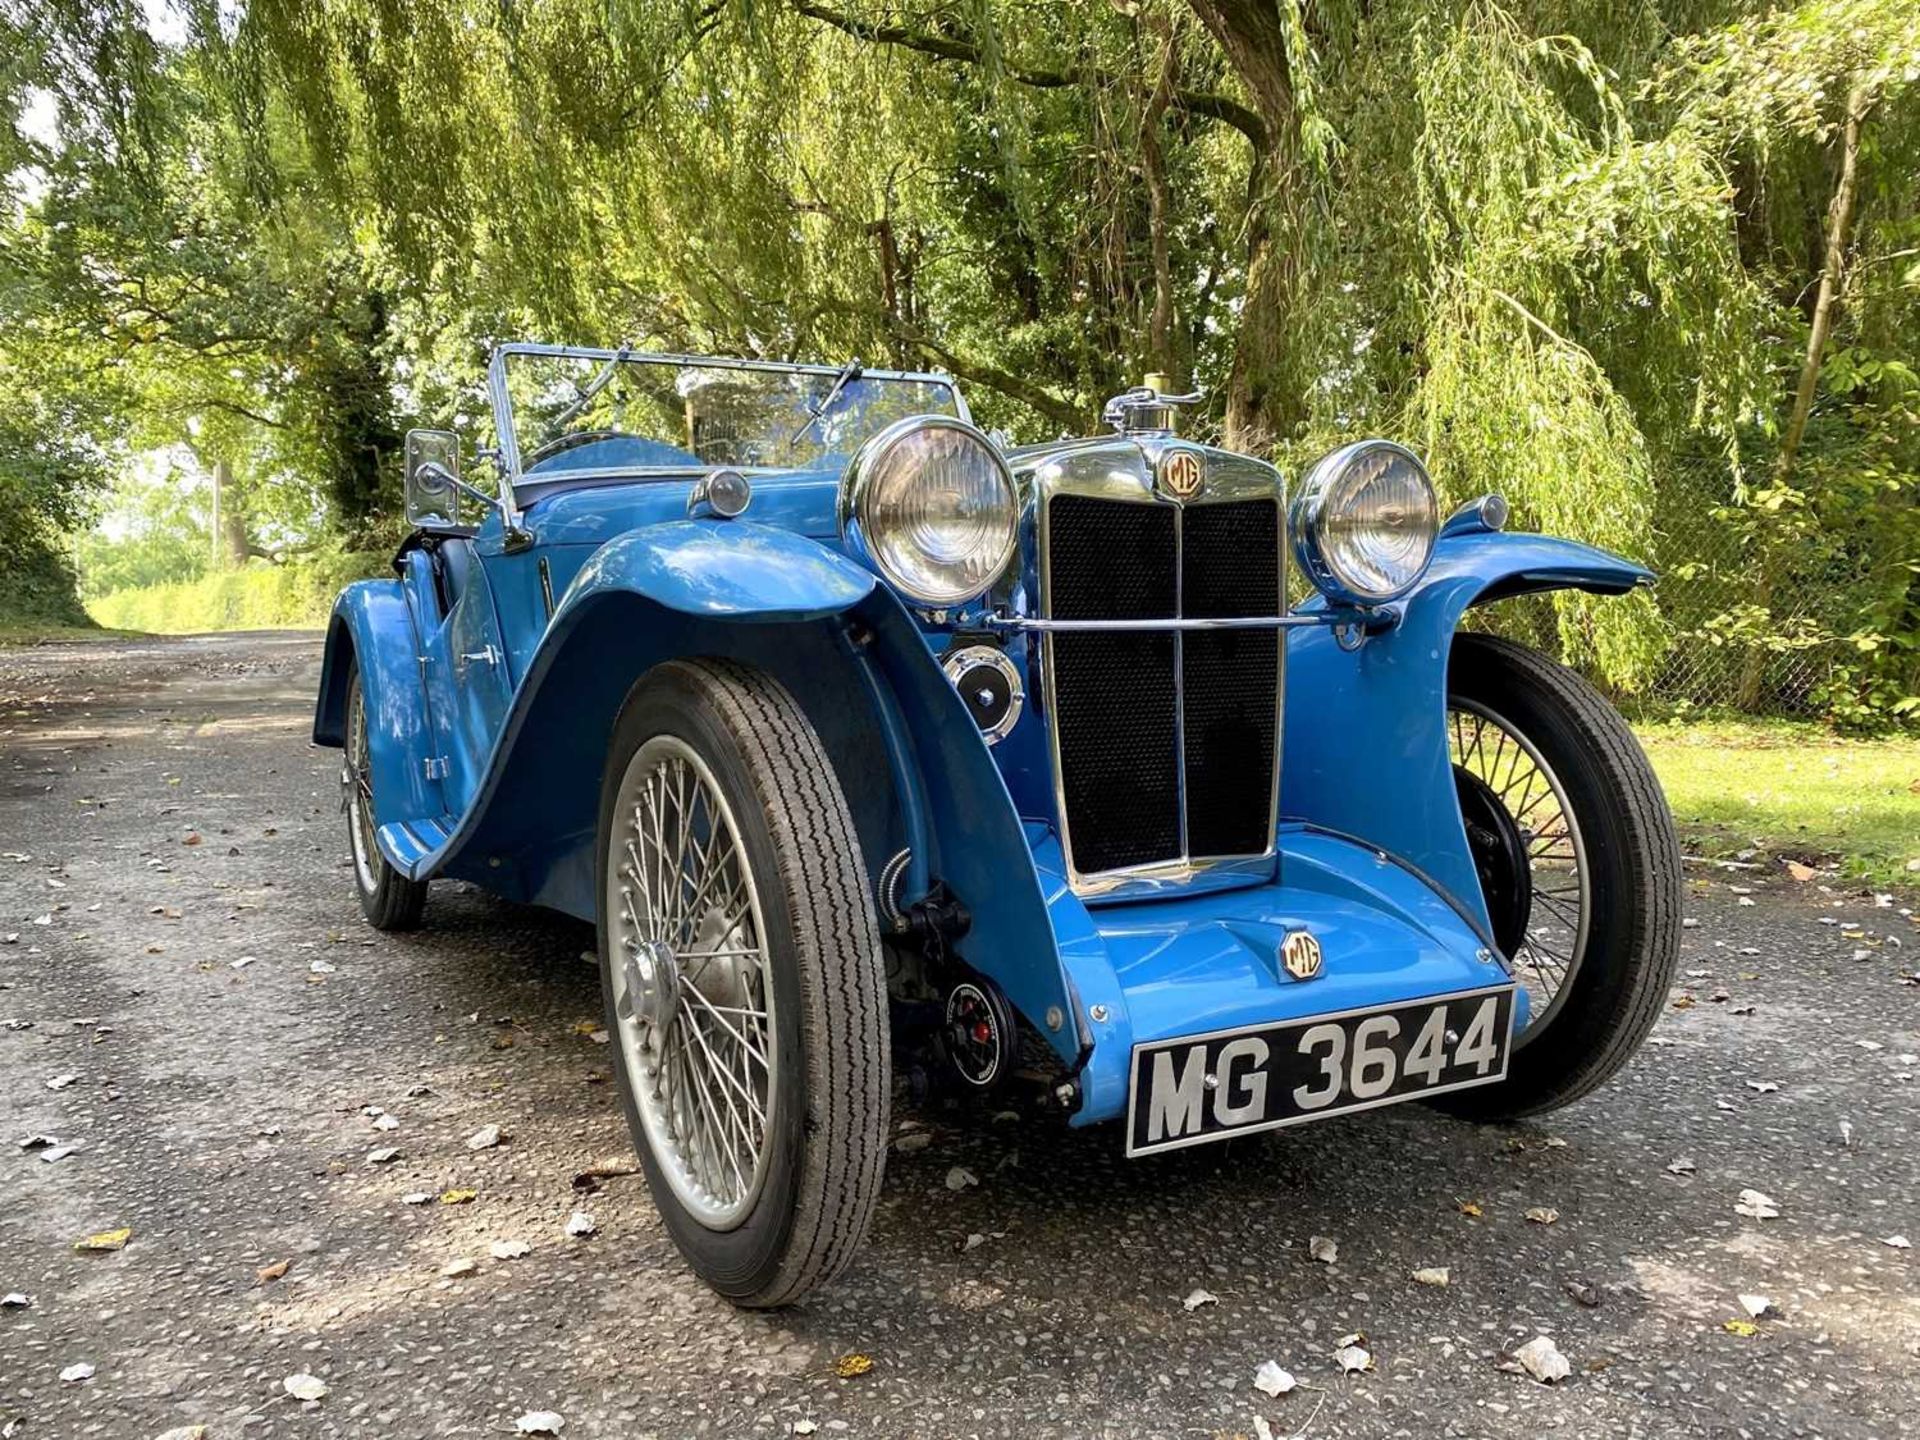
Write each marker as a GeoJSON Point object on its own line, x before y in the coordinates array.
{"type": "Point", "coordinates": [165, 819]}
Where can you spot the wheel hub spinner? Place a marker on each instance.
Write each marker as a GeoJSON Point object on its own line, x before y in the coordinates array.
{"type": "Point", "coordinates": [653, 983]}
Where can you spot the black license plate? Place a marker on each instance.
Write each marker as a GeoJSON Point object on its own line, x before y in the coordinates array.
{"type": "Point", "coordinates": [1233, 1082]}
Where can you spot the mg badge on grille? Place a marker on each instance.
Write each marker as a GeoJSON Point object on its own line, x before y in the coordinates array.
{"type": "Point", "coordinates": [1182, 473]}
{"type": "Point", "coordinates": [1300, 953]}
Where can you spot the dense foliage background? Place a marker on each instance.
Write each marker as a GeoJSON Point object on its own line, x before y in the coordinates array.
{"type": "Point", "coordinates": [1651, 269]}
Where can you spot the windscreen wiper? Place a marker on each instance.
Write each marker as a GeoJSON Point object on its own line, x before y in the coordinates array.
{"type": "Point", "coordinates": [594, 386]}
{"type": "Point", "coordinates": [849, 372]}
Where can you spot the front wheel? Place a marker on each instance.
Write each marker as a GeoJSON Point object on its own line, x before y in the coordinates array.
{"type": "Point", "coordinates": [740, 964]}
{"type": "Point", "coordinates": [1578, 862]}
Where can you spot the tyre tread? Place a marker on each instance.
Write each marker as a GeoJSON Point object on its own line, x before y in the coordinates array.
{"type": "Point", "coordinates": [842, 982]}
{"type": "Point", "coordinates": [1650, 937]}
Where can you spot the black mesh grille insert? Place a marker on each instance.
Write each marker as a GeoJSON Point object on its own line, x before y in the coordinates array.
{"type": "Point", "coordinates": [1230, 678]}
{"type": "Point", "coordinates": [1232, 560]}
{"type": "Point", "coordinates": [1118, 706]}
{"type": "Point", "coordinates": [1119, 753]}
{"type": "Point", "coordinates": [1115, 693]}
{"type": "Point", "coordinates": [1111, 559]}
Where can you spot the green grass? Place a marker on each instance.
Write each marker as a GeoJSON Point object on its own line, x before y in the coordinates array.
{"type": "Point", "coordinates": [52, 632]}
{"type": "Point", "coordinates": [258, 597]}
{"type": "Point", "coordinates": [34, 613]}
{"type": "Point", "coordinates": [1795, 791]}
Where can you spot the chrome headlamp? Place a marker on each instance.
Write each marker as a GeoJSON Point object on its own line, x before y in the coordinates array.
{"type": "Point", "coordinates": [1364, 523]}
{"type": "Point", "coordinates": [931, 503]}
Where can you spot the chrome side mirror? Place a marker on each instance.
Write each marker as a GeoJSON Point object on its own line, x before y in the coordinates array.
{"type": "Point", "coordinates": [436, 495]}
{"type": "Point", "coordinates": [433, 478]}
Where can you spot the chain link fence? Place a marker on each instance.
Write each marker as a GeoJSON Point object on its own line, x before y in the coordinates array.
{"type": "Point", "coordinates": [1752, 623]}
{"type": "Point", "coordinates": [1746, 634]}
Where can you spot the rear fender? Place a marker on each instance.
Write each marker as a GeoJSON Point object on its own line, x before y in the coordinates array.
{"type": "Point", "coordinates": [373, 624]}
{"type": "Point", "coordinates": [858, 666]}
{"type": "Point", "coordinates": [1365, 749]}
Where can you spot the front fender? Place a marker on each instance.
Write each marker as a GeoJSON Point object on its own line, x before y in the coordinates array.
{"type": "Point", "coordinates": [373, 624]}
{"type": "Point", "coordinates": [980, 846]}
{"type": "Point", "coordinates": [683, 587]}
{"type": "Point", "coordinates": [725, 569]}
{"type": "Point", "coordinates": [1481, 566]}
{"type": "Point", "coordinates": [851, 655]}
{"type": "Point", "coordinates": [1365, 749]}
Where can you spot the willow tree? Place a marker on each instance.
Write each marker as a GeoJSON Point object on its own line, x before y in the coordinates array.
{"type": "Point", "coordinates": [1331, 218]}
{"type": "Point", "coordinates": [1817, 111]}
{"type": "Point", "coordinates": [1572, 249]}
{"type": "Point", "coordinates": [776, 179]}
{"type": "Point", "coordinates": [1569, 286]}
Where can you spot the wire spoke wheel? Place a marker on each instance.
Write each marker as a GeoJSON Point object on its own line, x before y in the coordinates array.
{"type": "Point", "coordinates": [741, 979]}
{"type": "Point", "coordinates": [1532, 828]}
{"type": "Point", "coordinates": [1577, 861]}
{"type": "Point", "coordinates": [356, 791]}
{"type": "Point", "coordinates": [692, 982]}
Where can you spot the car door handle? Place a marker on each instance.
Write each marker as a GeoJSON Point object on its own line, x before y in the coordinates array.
{"type": "Point", "coordinates": [490, 655]}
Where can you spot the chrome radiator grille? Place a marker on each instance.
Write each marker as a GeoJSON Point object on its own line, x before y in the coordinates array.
{"type": "Point", "coordinates": [1166, 739]}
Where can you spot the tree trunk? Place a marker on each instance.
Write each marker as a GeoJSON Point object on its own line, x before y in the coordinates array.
{"type": "Point", "coordinates": [1252, 35]}
{"type": "Point", "coordinates": [882, 231]}
{"type": "Point", "coordinates": [230, 548]}
{"type": "Point", "coordinates": [1153, 163]}
{"type": "Point", "coordinates": [1825, 309]}
{"type": "Point", "coordinates": [1839, 220]}
{"type": "Point", "coordinates": [1261, 408]}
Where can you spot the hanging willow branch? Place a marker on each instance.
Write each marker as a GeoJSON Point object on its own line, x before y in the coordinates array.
{"type": "Point", "coordinates": [1207, 104]}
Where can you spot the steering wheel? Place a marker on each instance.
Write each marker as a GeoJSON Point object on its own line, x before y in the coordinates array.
{"type": "Point", "coordinates": [578, 438]}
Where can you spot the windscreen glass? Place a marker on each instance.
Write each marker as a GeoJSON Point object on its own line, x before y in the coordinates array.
{"type": "Point", "coordinates": [584, 412]}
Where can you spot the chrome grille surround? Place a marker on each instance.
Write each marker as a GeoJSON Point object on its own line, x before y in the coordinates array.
{"type": "Point", "coordinates": [1124, 469]}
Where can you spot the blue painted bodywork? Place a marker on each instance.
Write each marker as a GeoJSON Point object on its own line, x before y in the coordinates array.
{"type": "Point", "coordinates": [1365, 748]}
{"type": "Point", "coordinates": [490, 708]}
{"type": "Point", "coordinates": [1162, 969]}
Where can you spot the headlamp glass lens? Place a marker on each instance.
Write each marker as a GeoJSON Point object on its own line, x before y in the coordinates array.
{"type": "Point", "coordinates": [939, 514]}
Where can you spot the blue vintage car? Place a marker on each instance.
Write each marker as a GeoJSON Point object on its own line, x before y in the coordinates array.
{"type": "Point", "coordinates": [869, 741]}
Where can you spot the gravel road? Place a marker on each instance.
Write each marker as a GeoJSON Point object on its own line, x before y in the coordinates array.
{"type": "Point", "coordinates": [178, 935]}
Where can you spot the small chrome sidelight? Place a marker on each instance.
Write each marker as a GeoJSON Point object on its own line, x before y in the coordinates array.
{"type": "Point", "coordinates": [989, 684]}
{"type": "Point", "coordinates": [723, 492]}
{"type": "Point", "coordinates": [1478, 517]}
